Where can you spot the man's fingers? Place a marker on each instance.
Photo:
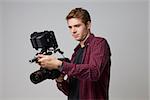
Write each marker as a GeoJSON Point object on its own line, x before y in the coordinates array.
{"type": "Point", "coordinates": [40, 56]}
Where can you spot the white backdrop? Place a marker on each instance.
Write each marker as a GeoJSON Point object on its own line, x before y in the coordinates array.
{"type": "Point", "coordinates": [123, 23]}
{"type": "Point", "coordinates": [0, 50]}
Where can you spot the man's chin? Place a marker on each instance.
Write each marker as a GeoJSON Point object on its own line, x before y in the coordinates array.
{"type": "Point", "coordinates": [77, 39]}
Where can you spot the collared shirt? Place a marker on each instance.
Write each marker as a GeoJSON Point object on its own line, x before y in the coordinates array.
{"type": "Point", "coordinates": [94, 73]}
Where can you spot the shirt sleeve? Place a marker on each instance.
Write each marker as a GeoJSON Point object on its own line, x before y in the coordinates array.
{"type": "Point", "coordinates": [97, 60]}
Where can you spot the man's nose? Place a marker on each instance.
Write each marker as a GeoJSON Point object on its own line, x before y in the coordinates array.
{"type": "Point", "coordinates": [74, 30]}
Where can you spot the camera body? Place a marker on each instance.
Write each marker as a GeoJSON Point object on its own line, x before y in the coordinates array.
{"type": "Point", "coordinates": [45, 41]}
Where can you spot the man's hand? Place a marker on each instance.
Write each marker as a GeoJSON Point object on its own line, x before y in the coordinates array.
{"type": "Point", "coordinates": [48, 62]}
{"type": "Point", "coordinates": [60, 78]}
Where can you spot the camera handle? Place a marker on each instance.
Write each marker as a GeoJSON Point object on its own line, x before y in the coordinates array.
{"type": "Point", "coordinates": [45, 52]}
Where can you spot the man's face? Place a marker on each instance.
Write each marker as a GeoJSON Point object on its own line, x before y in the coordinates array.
{"type": "Point", "coordinates": [78, 29]}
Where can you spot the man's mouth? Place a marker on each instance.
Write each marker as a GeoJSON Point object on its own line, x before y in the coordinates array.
{"type": "Point", "coordinates": [75, 36]}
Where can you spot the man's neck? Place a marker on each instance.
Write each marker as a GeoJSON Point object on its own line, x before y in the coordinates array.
{"type": "Point", "coordinates": [83, 41]}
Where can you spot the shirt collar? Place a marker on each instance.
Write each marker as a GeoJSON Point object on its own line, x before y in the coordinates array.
{"type": "Point", "coordinates": [86, 43]}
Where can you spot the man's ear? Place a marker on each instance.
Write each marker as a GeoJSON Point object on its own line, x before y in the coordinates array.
{"type": "Point", "coordinates": [88, 25]}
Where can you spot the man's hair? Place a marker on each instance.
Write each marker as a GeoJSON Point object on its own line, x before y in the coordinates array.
{"type": "Point", "coordinates": [79, 13]}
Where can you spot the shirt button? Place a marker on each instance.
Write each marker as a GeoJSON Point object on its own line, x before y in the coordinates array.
{"type": "Point", "coordinates": [60, 85]}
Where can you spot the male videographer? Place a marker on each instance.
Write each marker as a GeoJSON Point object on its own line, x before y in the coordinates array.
{"type": "Point", "coordinates": [89, 70]}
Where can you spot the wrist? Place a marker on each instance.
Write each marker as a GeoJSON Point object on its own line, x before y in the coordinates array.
{"type": "Point", "coordinates": [60, 63]}
{"type": "Point", "coordinates": [60, 67]}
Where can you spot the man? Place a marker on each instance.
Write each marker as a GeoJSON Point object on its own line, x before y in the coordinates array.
{"type": "Point", "coordinates": [89, 70]}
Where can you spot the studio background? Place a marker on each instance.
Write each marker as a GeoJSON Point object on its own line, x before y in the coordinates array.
{"type": "Point", "coordinates": [123, 23]}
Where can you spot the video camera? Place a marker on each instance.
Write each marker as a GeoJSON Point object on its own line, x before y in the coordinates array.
{"type": "Point", "coordinates": [45, 41]}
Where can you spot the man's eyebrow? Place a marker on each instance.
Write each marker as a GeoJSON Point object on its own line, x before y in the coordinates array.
{"type": "Point", "coordinates": [76, 25]}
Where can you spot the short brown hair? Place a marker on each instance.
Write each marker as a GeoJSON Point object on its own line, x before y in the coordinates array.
{"type": "Point", "coordinates": [79, 13]}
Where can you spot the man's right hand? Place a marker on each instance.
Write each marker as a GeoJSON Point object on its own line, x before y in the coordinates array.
{"type": "Point", "coordinates": [60, 78]}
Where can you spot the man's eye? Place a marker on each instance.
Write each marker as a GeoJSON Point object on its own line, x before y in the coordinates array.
{"type": "Point", "coordinates": [69, 27]}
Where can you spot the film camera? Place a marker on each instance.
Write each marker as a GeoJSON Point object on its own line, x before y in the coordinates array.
{"type": "Point", "coordinates": [45, 41]}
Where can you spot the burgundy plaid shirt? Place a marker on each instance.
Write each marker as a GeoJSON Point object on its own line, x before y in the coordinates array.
{"type": "Point", "coordinates": [93, 74]}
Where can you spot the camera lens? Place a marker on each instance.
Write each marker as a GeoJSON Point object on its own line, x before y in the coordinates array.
{"type": "Point", "coordinates": [43, 74]}
{"type": "Point", "coordinates": [37, 76]}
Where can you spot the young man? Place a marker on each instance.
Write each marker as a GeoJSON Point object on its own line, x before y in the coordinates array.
{"type": "Point", "coordinates": [89, 70]}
